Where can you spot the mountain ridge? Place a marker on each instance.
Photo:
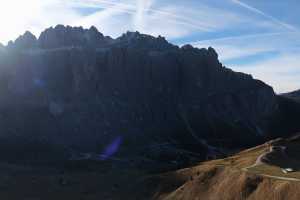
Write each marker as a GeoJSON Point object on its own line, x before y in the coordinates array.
{"type": "Point", "coordinates": [85, 89]}
{"type": "Point", "coordinates": [293, 95]}
{"type": "Point", "coordinates": [67, 36]}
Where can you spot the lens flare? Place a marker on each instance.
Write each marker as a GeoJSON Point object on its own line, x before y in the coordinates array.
{"type": "Point", "coordinates": [112, 148]}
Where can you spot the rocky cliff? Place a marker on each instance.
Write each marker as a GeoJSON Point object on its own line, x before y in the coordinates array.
{"type": "Point", "coordinates": [295, 95]}
{"type": "Point", "coordinates": [79, 89]}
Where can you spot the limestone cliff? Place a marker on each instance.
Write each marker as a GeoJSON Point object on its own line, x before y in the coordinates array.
{"type": "Point", "coordinates": [77, 88]}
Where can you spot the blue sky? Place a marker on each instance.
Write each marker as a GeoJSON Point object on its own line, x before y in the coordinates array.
{"type": "Point", "coordinates": [253, 36]}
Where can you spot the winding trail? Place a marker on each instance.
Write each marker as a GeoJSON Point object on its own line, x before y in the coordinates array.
{"type": "Point", "coordinates": [260, 161]}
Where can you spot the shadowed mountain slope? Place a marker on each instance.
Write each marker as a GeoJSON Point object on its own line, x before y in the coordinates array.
{"type": "Point", "coordinates": [293, 95]}
{"type": "Point", "coordinates": [76, 89]}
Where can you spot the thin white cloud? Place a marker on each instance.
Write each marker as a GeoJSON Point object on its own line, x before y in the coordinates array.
{"type": "Point", "coordinates": [242, 37]}
{"type": "Point", "coordinates": [236, 47]}
{"type": "Point", "coordinates": [110, 20]}
{"type": "Point", "coordinates": [203, 19]}
{"type": "Point", "coordinates": [115, 17]}
{"type": "Point", "coordinates": [141, 13]}
{"type": "Point", "coordinates": [282, 72]}
{"type": "Point", "coordinates": [182, 15]}
{"type": "Point", "coordinates": [240, 46]}
{"type": "Point", "coordinates": [257, 11]}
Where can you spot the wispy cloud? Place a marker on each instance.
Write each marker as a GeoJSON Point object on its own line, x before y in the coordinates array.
{"type": "Point", "coordinates": [141, 13]}
{"type": "Point", "coordinates": [246, 45]}
{"type": "Point", "coordinates": [173, 20]}
{"type": "Point", "coordinates": [185, 16]}
{"type": "Point", "coordinates": [257, 11]}
{"type": "Point", "coordinates": [282, 72]}
{"type": "Point", "coordinates": [274, 57]}
{"type": "Point", "coordinates": [152, 17]}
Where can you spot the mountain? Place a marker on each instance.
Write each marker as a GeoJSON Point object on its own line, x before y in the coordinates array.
{"type": "Point", "coordinates": [77, 90]}
{"type": "Point", "coordinates": [268, 171]}
{"type": "Point", "coordinates": [2, 47]}
{"type": "Point", "coordinates": [261, 172]}
{"type": "Point", "coordinates": [293, 95]}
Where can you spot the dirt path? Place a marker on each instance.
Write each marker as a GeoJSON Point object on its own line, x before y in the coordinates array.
{"type": "Point", "coordinates": [260, 161]}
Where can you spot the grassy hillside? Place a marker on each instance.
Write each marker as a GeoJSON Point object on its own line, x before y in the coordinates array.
{"type": "Point", "coordinates": [239, 177]}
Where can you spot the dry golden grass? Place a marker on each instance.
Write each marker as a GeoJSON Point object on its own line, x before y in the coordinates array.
{"type": "Point", "coordinates": [222, 179]}
{"type": "Point", "coordinates": [227, 179]}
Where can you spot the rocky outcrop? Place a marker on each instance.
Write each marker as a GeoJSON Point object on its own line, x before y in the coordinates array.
{"type": "Point", "coordinates": [76, 88]}
{"type": "Point", "coordinates": [62, 36]}
{"type": "Point", "coordinates": [295, 95]}
{"type": "Point", "coordinates": [2, 49]}
{"type": "Point", "coordinates": [285, 120]}
{"type": "Point", "coordinates": [26, 41]}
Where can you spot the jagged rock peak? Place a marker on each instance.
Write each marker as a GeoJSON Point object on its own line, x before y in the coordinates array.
{"type": "Point", "coordinates": [213, 52]}
{"type": "Point", "coordinates": [94, 36]}
{"type": "Point", "coordinates": [2, 48]}
{"type": "Point", "coordinates": [187, 47]}
{"type": "Point", "coordinates": [62, 36]}
{"type": "Point", "coordinates": [131, 36]}
{"type": "Point", "coordinates": [138, 40]}
{"type": "Point", "coordinates": [93, 29]}
{"type": "Point", "coordinates": [209, 53]}
{"type": "Point", "coordinates": [27, 40]}
{"type": "Point", "coordinates": [28, 35]}
{"type": "Point", "coordinates": [67, 36]}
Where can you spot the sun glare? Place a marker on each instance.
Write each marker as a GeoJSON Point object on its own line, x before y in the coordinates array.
{"type": "Point", "coordinates": [16, 15]}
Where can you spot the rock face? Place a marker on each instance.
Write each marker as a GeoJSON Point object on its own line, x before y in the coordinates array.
{"type": "Point", "coordinates": [295, 95]}
{"type": "Point", "coordinates": [76, 88]}
{"type": "Point", "coordinates": [286, 118]}
{"type": "Point", "coordinates": [26, 41]}
{"type": "Point", "coordinates": [62, 36]}
{"type": "Point", "coordinates": [2, 49]}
